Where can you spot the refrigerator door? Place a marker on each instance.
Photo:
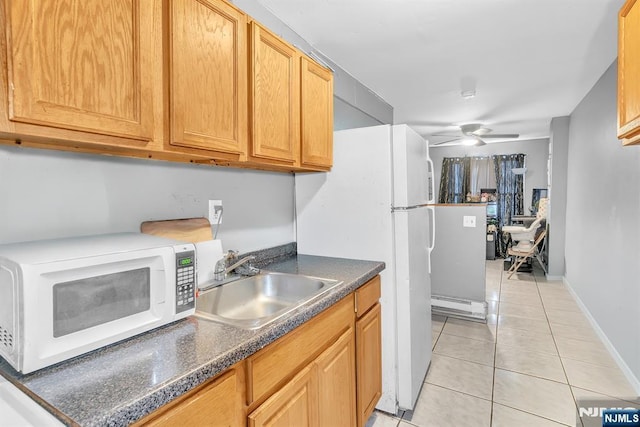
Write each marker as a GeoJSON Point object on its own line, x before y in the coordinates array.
{"type": "Point", "coordinates": [411, 184]}
{"type": "Point", "coordinates": [413, 289]}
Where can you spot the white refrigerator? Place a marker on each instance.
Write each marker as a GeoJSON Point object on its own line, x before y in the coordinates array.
{"type": "Point", "coordinates": [374, 204]}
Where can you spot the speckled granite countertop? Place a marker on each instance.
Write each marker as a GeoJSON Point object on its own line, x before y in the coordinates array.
{"type": "Point", "coordinates": [124, 382]}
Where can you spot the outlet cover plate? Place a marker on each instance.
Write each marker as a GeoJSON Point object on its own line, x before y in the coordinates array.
{"type": "Point", "coordinates": [469, 221]}
{"type": "Point", "coordinates": [215, 212]}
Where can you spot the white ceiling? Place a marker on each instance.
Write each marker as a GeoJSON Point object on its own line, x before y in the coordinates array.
{"type": "Point", "coordinates": [529, 60]}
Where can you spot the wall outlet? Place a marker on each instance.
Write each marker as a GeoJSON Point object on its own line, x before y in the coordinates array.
{"type": "Point", "coordinates": [469, 221]}
{"type": "Point", "coordinates": [215, 212]}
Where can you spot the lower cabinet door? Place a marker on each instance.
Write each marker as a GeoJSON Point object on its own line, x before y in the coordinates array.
{"type": "Point", "coordinates": [369, 363]}
{"type": "Point", "coordinates": [337, 383]}
{"type": "Point", "coordinates": [295, 404]}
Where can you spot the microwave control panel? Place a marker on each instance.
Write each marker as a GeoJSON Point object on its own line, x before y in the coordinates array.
{"type": "Point", "coordinates": [185, 281]}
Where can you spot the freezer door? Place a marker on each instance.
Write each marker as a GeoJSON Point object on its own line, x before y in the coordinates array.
{"type": "Point", "coordinates": [410, 167]}
{"type": "Point", "coordinates": [413, 288]}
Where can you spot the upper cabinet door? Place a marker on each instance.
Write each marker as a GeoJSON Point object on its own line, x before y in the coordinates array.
{"type": "Point", "coordinates": [82, 65]}
{"type": "Point", "coordinates": [208, 75]}
{"type": "Point", "coordinates": [629, 73]}
{"type": "Point", "coordinates": [317, 115]}
{"type": "Point", "coordinates": [275, 97]}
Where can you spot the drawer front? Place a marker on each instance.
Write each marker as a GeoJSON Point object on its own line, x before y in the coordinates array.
{"type": "Point", "coordinates": [272, 366]}
{"type": "Point", "coordinates": [367, 296]}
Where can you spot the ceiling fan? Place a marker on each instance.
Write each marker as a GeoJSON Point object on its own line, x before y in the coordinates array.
{"type": "Point", "coordinates": [475, 134]}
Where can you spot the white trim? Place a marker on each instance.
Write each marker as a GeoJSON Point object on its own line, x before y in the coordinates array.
{"type": "Point", "coordinates": [456, 307]}
{"type": "Point", "coordinates": [635, 383]}
{"type": "Point", "coordinates": [549, 277]}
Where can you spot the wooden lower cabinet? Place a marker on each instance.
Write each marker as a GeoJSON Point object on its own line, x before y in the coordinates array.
{"type": "Point", "coordinates": [369, 362]}
{"type": "Point", "coordinates": [217, 403]}
{"type": "Point", "coordinates": [322, 394]}
{"type": "Point", "coordinates": [326, 372]}
{"type": "Point", "coordinates": [295, 404]}
{"type": "Point", "coordinates": [337, 383]}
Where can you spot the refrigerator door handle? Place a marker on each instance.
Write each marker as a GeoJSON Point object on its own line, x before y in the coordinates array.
{"type": "Point", "coordinates": [432, 180]}
{"type": "Point", "coordinates": [433, 234]}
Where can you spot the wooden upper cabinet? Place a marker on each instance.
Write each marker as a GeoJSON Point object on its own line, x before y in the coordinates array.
{"type": "Point", "coordinates": [274, 99]}
{"type": "Point", "coordinates": [629, 73]}
{"type": "Point", "coordinates": [181, 80]}
{"type": "Point", "coordinates": [82, 65]}
{"type": "Point", "coordinates": [208, 76]}
{"type": "Point", "coordinates": [317, 115]}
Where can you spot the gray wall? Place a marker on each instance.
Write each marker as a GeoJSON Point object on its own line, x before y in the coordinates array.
{"type": "Point", "coordinates": [346, 116]}
{"type": "Point", "coordinates": [537, 151]}
{"type": "Point", "coordinates": [48, 194]}
{"type": "Point", "coordinates": [556, 215]}
{"type": "Point", "coordinates": [458, 258]}
{"type": "Point", "coordinates": [603, 217]}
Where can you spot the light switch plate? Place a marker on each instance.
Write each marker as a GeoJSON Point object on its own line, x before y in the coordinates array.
{"type": "Point", "coordinates": [469, 221]}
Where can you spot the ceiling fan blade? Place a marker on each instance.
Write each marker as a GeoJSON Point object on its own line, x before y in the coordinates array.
{"type": "Point", "coordinates": [445, 134]}
{"type": "Point", "coordinates": [444, 142]}
{"type": "Point", "coordinates": [501, 135]}
{"type": "Point", "coordinates": [480, 142]}
{"type": "Point", "coordinates": [482, 131]}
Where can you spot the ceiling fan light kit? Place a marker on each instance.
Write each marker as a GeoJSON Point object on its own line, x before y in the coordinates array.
{"type": "Point", "coordinates": [468, 94]}
{"type": "Point", "coordinates": [475, 134]}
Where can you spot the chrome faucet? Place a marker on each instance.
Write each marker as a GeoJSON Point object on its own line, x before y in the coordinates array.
{"type": "Point", "coordinates": [230, 262]}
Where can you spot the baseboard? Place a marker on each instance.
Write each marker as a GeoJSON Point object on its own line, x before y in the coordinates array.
{"type": "Point", "coordinates": [554, 277]}
{"type": "Point", "coordinates": [455, 307]}
{"type": "Point", "coordinates": [635, 383]}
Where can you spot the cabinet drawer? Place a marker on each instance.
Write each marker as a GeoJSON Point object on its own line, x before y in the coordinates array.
{"type": "Point", "coordinates": [272, 366]}
{"type": "Point", "coordinates": [367, 296]}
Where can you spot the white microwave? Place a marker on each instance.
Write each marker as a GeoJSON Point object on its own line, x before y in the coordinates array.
{"type": "Point", "coordinates": [64, 297]}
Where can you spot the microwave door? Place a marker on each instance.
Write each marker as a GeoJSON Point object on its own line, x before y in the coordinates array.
{"type": "Point", "coordinates": [97, 304]}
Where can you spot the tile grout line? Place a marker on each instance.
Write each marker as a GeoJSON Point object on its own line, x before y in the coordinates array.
{"type": "Point", "coordinates": [495, 349]}
{"type": "Point", "coordinates": [533, 376]}
{"type": "Point", "coordinates": [495, 367]}
{"type": "Point", "coordinates": [564, 370]}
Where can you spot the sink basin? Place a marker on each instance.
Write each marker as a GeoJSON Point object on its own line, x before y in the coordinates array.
{"type": "Point", "coordinates": [252, 302]}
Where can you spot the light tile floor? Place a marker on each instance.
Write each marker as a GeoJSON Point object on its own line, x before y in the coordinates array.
{"type": "Point", "coordinates": [526, 366]}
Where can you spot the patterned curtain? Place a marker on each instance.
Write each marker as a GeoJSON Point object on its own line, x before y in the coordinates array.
{"type": "Point", "coordinates": [510, 189]}
{"type": "Point", "coordinates": [454, 179]}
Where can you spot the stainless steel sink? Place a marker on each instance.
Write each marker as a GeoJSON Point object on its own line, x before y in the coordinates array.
{"type": "Point", "coordinates": [255, 301]}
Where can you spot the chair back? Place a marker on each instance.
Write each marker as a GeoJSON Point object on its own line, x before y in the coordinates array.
{"type": "Point", "coordinates": [542, 208]}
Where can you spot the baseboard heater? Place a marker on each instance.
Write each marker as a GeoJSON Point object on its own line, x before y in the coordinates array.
{"type": "Point", "coordinates": [460, 308]}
